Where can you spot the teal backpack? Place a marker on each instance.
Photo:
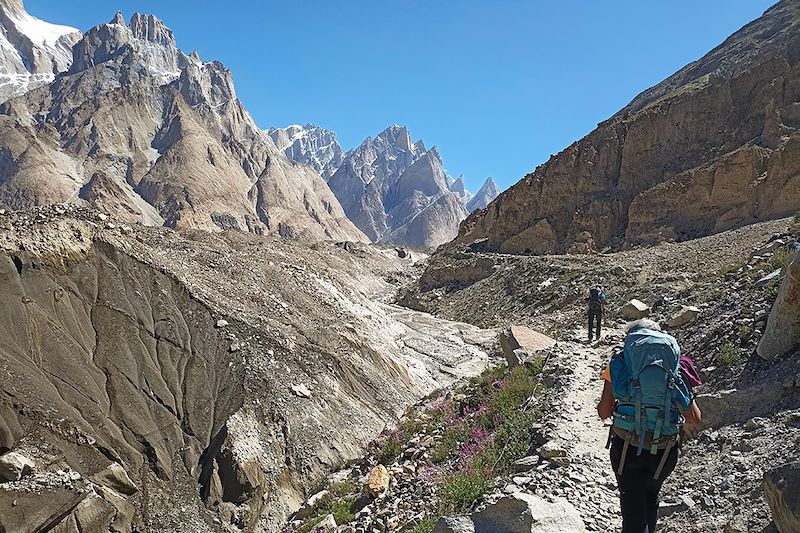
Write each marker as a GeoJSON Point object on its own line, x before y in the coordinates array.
{"type": "Point", "coordinates": [647, 384]}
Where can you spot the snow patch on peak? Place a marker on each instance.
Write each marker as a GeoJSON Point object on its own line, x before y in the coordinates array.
{"type": "Point", "coordinates": [32, 51]}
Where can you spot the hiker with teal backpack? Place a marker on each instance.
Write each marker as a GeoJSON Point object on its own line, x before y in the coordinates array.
{"type": "Point", "coordinates": [650, 401]}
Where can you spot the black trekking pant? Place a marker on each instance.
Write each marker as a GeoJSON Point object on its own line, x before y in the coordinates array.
{"type": "Point", "coordinates": [595, 321]}
{"type": "Point", "coordinates": [638, 491]}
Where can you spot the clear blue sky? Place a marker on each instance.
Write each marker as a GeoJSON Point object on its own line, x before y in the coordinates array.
{"type": "Point", "coordinates": [497, 85]}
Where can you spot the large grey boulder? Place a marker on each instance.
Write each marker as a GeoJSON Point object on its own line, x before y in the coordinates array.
{"type": "Point", "coordinates": [782, 492]}
{"type": "Point", "coordinates": [635, 309]}
{"type": "Point", "coordinates": [14, 465]}
{"type": "Point", "coordinates": [686, 315]}
{"type": "Point", "coordinates": [526, 513]}
{"type": "Point", "coordinates": [782, 334]}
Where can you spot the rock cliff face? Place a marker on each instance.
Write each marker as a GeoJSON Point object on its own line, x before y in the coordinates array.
{"type": "Point", "coordinates": [195, 382]}
{"type": "Point", "coordinates": [310, 145]}
{"type": "Point", "coordinates": [713, 147]}
{"type": "Point", "coordinates": [395, 191]}
{"type": "Point", "coordinates": [139, 129]}
{"type": "Point", "coordinates": [32, 51]}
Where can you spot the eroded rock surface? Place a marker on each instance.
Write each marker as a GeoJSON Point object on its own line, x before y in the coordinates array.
{"type": "Point", "coordinates": [117, 356]}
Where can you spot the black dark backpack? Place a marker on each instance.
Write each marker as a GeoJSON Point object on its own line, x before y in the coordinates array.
{"type": "Point", "coordinates": [595, 299]}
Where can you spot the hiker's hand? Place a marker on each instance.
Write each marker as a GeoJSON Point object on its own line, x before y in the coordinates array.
{"type": "Point", "coordinates": [694, 419]}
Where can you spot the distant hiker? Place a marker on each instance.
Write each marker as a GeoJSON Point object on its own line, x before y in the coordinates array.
{"type": "Point", "coordinates": [646, 394]}
{"type": "Point", "coordinates": [595, 308]}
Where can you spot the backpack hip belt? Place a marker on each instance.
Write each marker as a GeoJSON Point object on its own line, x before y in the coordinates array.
{"type": "Point", "coordinates": [629, 438]}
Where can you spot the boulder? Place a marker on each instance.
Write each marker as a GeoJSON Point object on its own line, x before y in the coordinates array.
{"type": "Point", "coordinates": [635, 309]}
{"type": "Point", "coordinates": [454, 524]}
{"type": "Point", "coordinates": [782, 492]}
{"type": "Point", "coordinates": [115, 477]}
{"type": "Point", "coordinates": [686, 315]}
{"type": "Point", "coordinates": [552, 449]}
{"type": "Point", "coordinates": [782, 334]}
{"type": "Point", "coordinates": [520, 342]}
{"type": "Point", "coordinates": [377, 481]}
{"type": "Point", "coordinates": [526, 513]}
{"type": "Point", "coordinates": [526, 463]}
{"type": "Point", "coordinates": [301, 391]}
{"type": "Point", "coordinates": [13, 466]}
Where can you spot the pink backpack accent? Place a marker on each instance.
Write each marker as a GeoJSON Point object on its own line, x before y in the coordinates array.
{"type": "Point", "coordinates": [690, 372]}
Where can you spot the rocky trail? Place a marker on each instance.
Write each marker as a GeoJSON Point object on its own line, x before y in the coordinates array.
{"type": "Point", "coordinates": [573, 464]}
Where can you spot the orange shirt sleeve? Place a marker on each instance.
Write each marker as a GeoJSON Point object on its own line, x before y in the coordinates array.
{"type": "Point", "coordinates": [606, 375]}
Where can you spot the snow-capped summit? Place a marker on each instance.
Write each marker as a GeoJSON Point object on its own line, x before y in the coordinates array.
{"type": "Point", "coordinates": [488, 192]}
{"type": "Point", "coordinates": [32, 51]}
{"type": "Point", "coordinates": [310, 145]}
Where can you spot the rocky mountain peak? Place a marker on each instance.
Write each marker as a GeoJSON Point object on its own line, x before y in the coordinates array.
{"type": "Point", "coordinates": [209, 83]}
{"type": "Point", "coordinates": [150, 28]}
{"type": "Point", "coordinates": [311, 145]}
{"type": "Point", "coordinates": [398, 137]}
{"type": "Point", "coordinates": [145, 46]}
{"type": "Point", "coordinates": [487, 193]}
{"type": "Point", "coordinates": [458, 186]}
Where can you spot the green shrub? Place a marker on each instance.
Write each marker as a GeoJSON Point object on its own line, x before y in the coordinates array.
{"type": "Point", "coordinates": [449, 444]}
{"type": "Point", "coordinates": [730, 355]}
{"type": "Point", "coordinates": [390, 451]}
{"type": "Point", "coordinates": [340, 509]}
{"type": "Point", "coordinates": [780, 258]}
{"type": "Point", "coordinates": [425, 525]}
{"type": "Point", "coordinates": [462, 489]}
{"type": "Point", "coordinates": [513, 438]}
{"type": "Point", "coordinates": [518, 388]}
{"type": "Point", "coordinates": [340, 489]}
{"type": "Point", "coordinates": [745, 332]}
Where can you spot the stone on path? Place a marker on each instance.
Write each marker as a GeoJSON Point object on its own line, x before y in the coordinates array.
{"type": "Point", "coordinates": [782, 492]}
{"type": "Point", "coordinates": [518, 342]}
{"type": "Point", "coordinates": [552, 449]}
{"type": "Point", "coordinates": [635, 309]}
{"type": "Point", "coordinates": [526, 513]}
